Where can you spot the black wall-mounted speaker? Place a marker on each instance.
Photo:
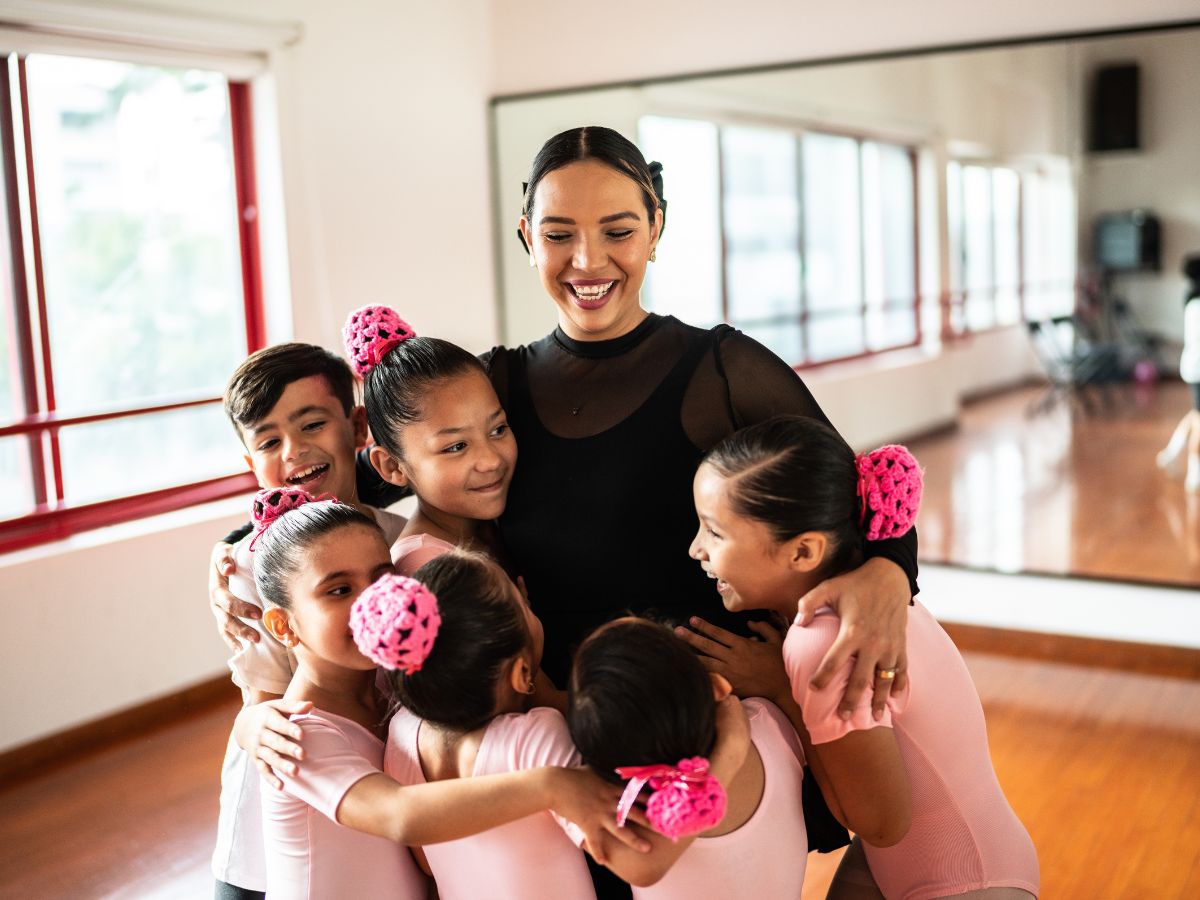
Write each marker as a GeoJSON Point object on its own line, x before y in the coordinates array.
{"type": "Point", "coordinates": [1114, 109]}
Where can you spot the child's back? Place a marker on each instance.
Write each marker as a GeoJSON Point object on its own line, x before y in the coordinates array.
{"type": "Point", "coordinates": [964, 835]}
{"type": "Point", "coordinates": [765, 857]}
{"type": "Point", "coordinates": [532, 857]}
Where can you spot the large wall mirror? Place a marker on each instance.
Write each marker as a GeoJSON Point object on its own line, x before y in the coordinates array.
{"type": "Point", "coordinates": [932, 203]}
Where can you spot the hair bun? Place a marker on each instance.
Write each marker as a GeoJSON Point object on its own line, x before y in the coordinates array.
{"type": "Point", "coordinates": [395, 622]}
{"type": "Point", "coordinates": [890, 483]}
{"type": "Point", "coordinates": [370, 333]}
{"type": "Point", "coordinates": [685, 798]}
{"type": "Point", "coordinates": [271, 503]}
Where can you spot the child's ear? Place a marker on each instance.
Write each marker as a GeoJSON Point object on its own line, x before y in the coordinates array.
{"type": "Point", "coordinates": [720, 685]}
{"type": "Point", "coordinates": [358, 416]}
{"type": "Point", "coordinates": [388, 467]}
{"type": "Point", "coordinates": [806, 552]}
{"type": "Point", "coordinates": [521, 675]}
{"type": "Point", "coordinates": [279, 626]}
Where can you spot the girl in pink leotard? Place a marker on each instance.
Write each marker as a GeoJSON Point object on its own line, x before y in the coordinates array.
{"type": "Point", "coordinates": [782, 506]}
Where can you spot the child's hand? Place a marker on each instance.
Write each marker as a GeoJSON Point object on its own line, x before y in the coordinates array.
{"type": "Point", "coordinates": [272, 740]}
{"type": "Point", "coordinates": [872, 602]}
{"type": "Point", "coordinates": [753, 666]}
{"type": "Point", "coordinates": [590, 803]}
{"type": "Point", "coordinates": [226, 607]}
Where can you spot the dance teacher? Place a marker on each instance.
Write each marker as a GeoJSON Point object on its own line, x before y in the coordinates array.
{"type": "Point", "coordinates": [613, 411]}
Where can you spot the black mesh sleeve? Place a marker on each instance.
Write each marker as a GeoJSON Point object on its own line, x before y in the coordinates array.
{"type": "Point", "coordinates": [762, 385]}
{"type": "Point", "coordinates": [237, 534]}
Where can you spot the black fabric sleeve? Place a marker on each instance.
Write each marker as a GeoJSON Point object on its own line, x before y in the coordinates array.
{"type": "Point", "coordinates": [237, 534]}
{"type": "Point", "coordinates": [762, 385]}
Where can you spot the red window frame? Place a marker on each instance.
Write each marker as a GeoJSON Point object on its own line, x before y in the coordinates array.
{"type": "Point", "coordinates": [52, 518]}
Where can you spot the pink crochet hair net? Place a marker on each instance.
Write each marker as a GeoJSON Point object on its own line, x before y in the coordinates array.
{"type": "Point", "coordinates": [370, 333]}
{"type": "Point", "coordinates": [686, 799]}
{"type": "Point", "coordinates": [889, 485]}
{"type": "Point", "coordinates": [271, 503]}
{"type": "Point", "coordinates": [395, 622]}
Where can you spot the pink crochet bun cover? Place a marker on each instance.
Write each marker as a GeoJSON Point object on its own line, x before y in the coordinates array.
{"type": "Point", "coordinates": [685, 798]}
{"type": "Point", "coordinates": [889, 488]}
{"type": "Point", "coordinates": [271, 503]}
{"type": "Point", "coordinates": [395, 622]}
{"type": "Point", "coordinates": [370, 333]}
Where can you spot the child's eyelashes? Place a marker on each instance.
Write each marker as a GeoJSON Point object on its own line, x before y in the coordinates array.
{"type": "Point", "coordinates": [457, 447]}
{"type": "Point", "coordinates": [267, 445]}
{"type": "Point", "coordinates": [314, 426]}
{"type": "Point", "coordinates": [500, 430]}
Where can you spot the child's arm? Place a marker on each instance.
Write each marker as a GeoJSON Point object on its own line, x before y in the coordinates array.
{"type": "Point", "coordinates": [733, 743]}
{"type": "Point", "coordinates": [448, 810]}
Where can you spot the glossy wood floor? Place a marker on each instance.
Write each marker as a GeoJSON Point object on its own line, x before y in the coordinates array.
{"type": "Point", "coordinates": [1062, 492]}
{"type": "Point", "coordinates": [1101, 765]}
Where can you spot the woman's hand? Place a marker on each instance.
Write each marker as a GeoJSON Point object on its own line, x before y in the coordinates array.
{"type": "Point", "coordinates": [226, 608]}
{"type": "Point", "coordinates": [754, 666]}
{"type": "Point", "coordinates": [590, 804]}
{"type": "Point", "coordinates": [265, 732]}
{"type": "Point", "coordinates": [872, 602]}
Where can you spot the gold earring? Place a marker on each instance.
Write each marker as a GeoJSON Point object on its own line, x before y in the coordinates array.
{"type": "Point", "coordinates": [532, 262]}
{"type": "Point", "coordinates": [529, 690]}
{"type": "Point", "coordinates": [654, 254]}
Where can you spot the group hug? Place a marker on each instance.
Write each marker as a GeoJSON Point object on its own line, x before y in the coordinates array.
{"type": "Point", "coordinates": [650, 629]}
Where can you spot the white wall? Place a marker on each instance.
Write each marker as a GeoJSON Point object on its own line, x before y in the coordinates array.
{"type": "Point", "coordinates": [383, 143]}
{"type": "Point", "coordinates": [1161, 176]}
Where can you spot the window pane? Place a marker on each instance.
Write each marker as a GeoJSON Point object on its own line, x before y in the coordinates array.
{"type": "Point", "coordinates": [977, 258]}
{"type": "Point", "coordinates": [784, 339]}
{"type": "Point", "coordinates": [16, 479]}
{"type": "Point", "coordinates": [831, 337]}
{"type": "Point", "coordinates": [1006, 193]}
{"type": "Point", "coordinates": [685, 281]}
{"type": "Point", "coordinates": [891, 328]}
{"type": "Point", "coordinates": [889, 229]}
{"type": "Point", "coordinates": [138, 224]}
{"type": "Point", "coordinates": [762, 223]}
{"type": "Point", "coordinates": [119, 457]}
{"type": "Point", "coordinates": [831, 222]}
{"type": "Point", "coordinates": [1049, 213]}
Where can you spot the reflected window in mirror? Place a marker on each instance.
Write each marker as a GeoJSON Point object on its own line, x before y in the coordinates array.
{"type": "Point", "coordinates": [804, 239]}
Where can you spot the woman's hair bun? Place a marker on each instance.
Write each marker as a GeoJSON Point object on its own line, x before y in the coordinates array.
{"type": "Point", "coordinates": [890, 483]}
{"type": "Point", "coordinates": [395, 622]}
{"type": "Point", "coordinates": [370, 333]}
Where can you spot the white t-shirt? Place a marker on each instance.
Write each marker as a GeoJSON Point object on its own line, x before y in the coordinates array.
{"type": "Point", "coordinates": [1189, 363]}
{"type": "Point", "coordinates": [267, 666]}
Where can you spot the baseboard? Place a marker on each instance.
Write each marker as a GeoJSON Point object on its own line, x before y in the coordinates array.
{"type": "Point", "coordinates": [1146, 659]}
{"type": "Point", "coordinates": [67, 746]}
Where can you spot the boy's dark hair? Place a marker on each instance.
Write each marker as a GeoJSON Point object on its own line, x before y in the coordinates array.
{"type": "Point", "coordinates": [794, 474]}
{"type": "Point", "coordinates": [481, 631]}
{"type": "Point", "coordinates": [394, 389]}
{"type": "Point", "coordinates": [261, 379]}
{"type": "Point", "coordinates": [639, 696]}
{"type": "Point", "coordinates": [280, 549]}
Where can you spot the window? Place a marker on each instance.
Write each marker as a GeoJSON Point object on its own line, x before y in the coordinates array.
{"type": "Point", "coordinates": [130, 285]}
{"type": "Point", "coordinates": [805, 240]}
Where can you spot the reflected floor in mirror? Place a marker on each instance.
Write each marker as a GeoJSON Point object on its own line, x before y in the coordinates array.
{"type": "Point", "coordinates": [1099, 764]}
{"type": "Point", "coordinates": [1059, 491]}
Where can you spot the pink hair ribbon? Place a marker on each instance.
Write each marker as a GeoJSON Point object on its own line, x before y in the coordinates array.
{"type": "Point", "coordinates": [685, 798]}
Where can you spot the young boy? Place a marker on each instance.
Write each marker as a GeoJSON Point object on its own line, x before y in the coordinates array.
{"type": "Point", "coordinates": [293, 408]}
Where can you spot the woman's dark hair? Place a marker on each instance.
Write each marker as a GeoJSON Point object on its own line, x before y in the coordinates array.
{"type": "Point", "coordinates": [393, 391]}
{"type": "Point", "coordinates": [603, 145]}
{"type": "Point", "coordinates": [280, 549]}
{"type": "Point", "coordinates": [638, 696]}
{"type": "Point", "coordinates": [482, 630]}
{"type": "Point", "coordinates": [794, 474]}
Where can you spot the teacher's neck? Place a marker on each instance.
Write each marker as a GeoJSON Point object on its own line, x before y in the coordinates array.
{"type": "Point", "coordinates": [618, 330]}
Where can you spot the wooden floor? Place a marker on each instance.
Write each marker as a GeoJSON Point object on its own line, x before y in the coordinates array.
{"type": "Point", "coordinates": [1103, 767]}
{"type": "Point", "coordinates": [1061, 492]}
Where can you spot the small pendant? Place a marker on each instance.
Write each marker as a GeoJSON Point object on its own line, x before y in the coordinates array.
{"type": "Point", "coordinates": [575, 410]}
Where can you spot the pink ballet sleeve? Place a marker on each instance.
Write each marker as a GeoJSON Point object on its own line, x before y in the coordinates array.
{"type": "Point", "coordinates": [331, 766]}
{"type": "Point", "coordinates": [803, 650]}
{"type": "Point", "coordinates": [412, 552]}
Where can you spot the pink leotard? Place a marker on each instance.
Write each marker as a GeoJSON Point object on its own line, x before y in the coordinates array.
{"type": "Point", "coordinates": [964, 835]}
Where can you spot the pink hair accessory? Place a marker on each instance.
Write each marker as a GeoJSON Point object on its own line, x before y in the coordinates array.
{"type": "Point", "coordinates": [370, 333]}
{"type": "Point", "coordinates": [395, 622]}
{"type": "Point", "coordinates": [890, 483]}
{"type": "Point", "coordinates": [271, 503]}
{"type": "Point", "coordinates": [686, 799]}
